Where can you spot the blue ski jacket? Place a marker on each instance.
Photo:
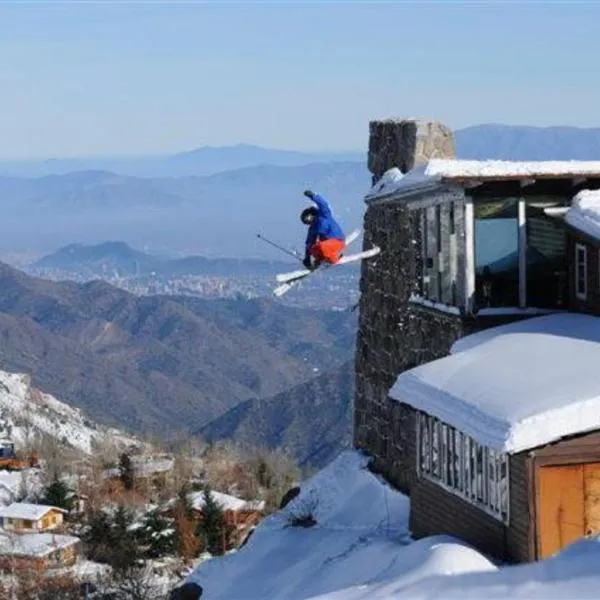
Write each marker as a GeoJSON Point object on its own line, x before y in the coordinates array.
{"type": "Point", "coordinates": [324, 227]}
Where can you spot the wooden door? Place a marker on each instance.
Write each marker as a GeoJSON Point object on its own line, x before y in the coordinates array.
{"type": "Point", "coordinates": [560, 507]}
{"type": "Point", "coordinates": [591, 489]}
{"type": "Point", "coordinates": [568, 505]}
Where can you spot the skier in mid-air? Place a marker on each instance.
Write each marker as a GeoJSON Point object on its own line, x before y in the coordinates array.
{"type": "Point", "coordinates": [325, 239]}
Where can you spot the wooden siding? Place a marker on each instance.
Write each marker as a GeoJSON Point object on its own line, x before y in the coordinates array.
{"type": "Point", "coordinates": [572, 450]}
{"type": "Point", "coordinates": [592, 302]}
{"type": "Point", "coordinates": [519, 536]}
{"type": "Point", "coordinates": [434, 511]}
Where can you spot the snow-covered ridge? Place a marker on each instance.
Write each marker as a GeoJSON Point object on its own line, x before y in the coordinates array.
{"type": "Point", "coordinates": [26, 411]}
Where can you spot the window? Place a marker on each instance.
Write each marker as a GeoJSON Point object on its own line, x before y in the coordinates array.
{"type": "Point", "coordinates": [496, 253]}
{"type": "Point", "coordinates": [462, 466]}
{"type": "Point", "coordinates": [580, 271]}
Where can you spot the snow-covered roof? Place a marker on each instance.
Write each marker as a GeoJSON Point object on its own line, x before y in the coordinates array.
{"type": "Point", "coordinates": [453, 170]}
{"type": "Point", "coordinates": [517, 386]}
{"type": "Point", "coordinates": [147, 466]}
{"type": "Point", "coordinates": [24, 510]}
{"type": "Point", "coordinates": [34, 544]}
{"type": "Point", "coordinates": [584, 213]}
{"type": "Point", "coordinates": [225, 501]}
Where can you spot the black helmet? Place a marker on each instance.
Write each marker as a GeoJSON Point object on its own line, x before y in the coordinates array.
{"type": "Point", "coordinates": [309, 214]}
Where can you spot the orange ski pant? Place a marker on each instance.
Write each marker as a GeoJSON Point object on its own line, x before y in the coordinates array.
{"type": "Point", "coordinates": [328, 250]}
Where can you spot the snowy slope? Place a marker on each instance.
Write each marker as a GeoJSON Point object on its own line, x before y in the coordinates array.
{"type": "Point", "coordinates": [26, 411]}
{"type": "Point", "coordinates": [359, 550]}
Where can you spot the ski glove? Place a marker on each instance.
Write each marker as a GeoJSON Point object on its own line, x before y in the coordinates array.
{"type": "Point", "coordinates": [309, 194]}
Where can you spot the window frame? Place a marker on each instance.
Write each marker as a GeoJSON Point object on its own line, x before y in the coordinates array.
{"type": "Point", "coordinates": [473, 480]}
{"type": "Point", "coordinates": [581, 295]}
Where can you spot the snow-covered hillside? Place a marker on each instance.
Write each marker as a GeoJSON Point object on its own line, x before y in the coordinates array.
{"type": "Point", "coordinates": [359, 549]}
{"type": "Point", "coordinates": [26, 412]}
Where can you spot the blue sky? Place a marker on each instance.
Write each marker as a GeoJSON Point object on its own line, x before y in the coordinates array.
{"type": "Point", "coordinates": [98, 78]}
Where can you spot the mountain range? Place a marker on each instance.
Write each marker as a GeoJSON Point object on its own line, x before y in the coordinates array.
{"type": "Point", "coordinates": [160, 365]}
{"type": "Point", "coordinates": [119, 259]}
{"type": "Point", "coordinates": [312, 420]}
{"type": "Point", "coordinates": [213, 201]}
{"type": "Point", "coordinates": [221, 369]}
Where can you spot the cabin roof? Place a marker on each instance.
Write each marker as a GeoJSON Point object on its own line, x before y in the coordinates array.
{"type": "Point", "coordinates": [584, 213]}
{"type": "Point", "coordinates": [24, 510]}
{"type": "Point", "coordinates": [517, 386]}
{"type": "Point", "coordinates": [465, 172]}
{"type": "Point", "coordinates": [35, 545]}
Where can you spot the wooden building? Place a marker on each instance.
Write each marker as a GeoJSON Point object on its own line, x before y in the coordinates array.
{"type": "Point", "coordinates": [470, 249]}
{"type": "Point", "coordinates": [22, 517]}
{"type": "Point", "coordinates": [505, 440]}
{"type": "Point", "coordinates": [37, 552]}
{"type": "Point", "coordinates": [240, 516]}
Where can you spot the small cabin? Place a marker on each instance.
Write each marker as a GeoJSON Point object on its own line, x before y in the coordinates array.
{"type": "Point", "coordinates": [37, 552]}
{"type": "Point", "coordinates": [22, 517]}
{"type": "Point", "coordinates": [504, 439]}
{"type": "Point", "coordinates": [240, 515]}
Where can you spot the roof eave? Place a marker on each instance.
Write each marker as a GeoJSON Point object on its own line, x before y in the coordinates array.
{"type": "Point", "coordinates": [403, 192]}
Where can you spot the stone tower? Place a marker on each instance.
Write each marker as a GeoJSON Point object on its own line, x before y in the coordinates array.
{"type": "Point", "coordinates": [392, 336]}
{"type": "Point", "coordinates": [406, 143]}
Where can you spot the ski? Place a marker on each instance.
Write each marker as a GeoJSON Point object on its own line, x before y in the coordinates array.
{"type": "Point", "coordinates": [300, 275]}
{"type": "Point", "coordinates": [285, 277]}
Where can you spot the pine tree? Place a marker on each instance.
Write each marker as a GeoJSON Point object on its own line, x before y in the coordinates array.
{"type": "Point", "coordinates": [124, 547]}
{"type": "Point", "coordinates": [58, 494]}
{"type": "Point", "coordinates": [157, 535]}
{"type": "Point", "coordinates": [212, 526]}
{"type": "Point", "coordinates": [97, 538]}
{"type": "Point", "coordinates": [126, 472]}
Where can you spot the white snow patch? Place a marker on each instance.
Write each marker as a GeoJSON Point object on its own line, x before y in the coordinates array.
{"type": "Point", "coordinates": [447, 308]}
{"type": "Point", "coordinates": [584, 213]}
{"type": "Point", "coordinates": [389, 180]}
{"type": "Point", "coordinates": [225, 501]}
{"type": "Point", "coordinates": [26, 411]}
{"type": "Point", "coordinates": [358, 550]}
{"type": "Point", "coordinates": [517, 386]}
{"type": "Point", "coordinates": [438, 169]}
{"type": "Point", "coordinates": [358, 519]}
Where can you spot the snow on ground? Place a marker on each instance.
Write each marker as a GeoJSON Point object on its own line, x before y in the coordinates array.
{"type": "Point", "coordinates": [437, 169]}
{"type": "Point", "coordinates": [584, 213]}
{"type": "Point", "coordinates": [483, 389]}
{"type": "Point", "coordinates": [358, 550]}
{"type": "Point", "coordinates": [25, 410]}
{"type": "Point", "coordinates": [359, 539]}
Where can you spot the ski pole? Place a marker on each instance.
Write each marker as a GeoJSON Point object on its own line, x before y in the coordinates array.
{"type": "Point", "coordinates": [290, 252]}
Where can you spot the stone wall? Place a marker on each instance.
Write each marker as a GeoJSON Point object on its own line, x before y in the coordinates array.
{"type": "Point", "coordinates": [393, 336]}
{"type": "Point", "coordinates": [405, 143]}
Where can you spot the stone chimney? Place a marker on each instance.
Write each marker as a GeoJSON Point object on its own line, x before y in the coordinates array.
{"type": "Point", "coordinates": [405, 143]}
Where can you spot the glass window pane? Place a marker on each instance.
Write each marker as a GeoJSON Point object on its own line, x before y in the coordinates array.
{"type": "Point", "coordinates": [546, 256]}
{"type": "Point", "coordinates": [496, 253]}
